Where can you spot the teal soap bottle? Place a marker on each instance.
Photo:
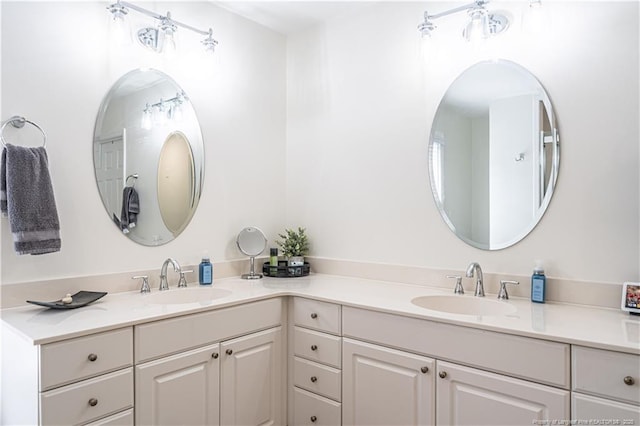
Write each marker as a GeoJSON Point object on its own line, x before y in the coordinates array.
{"type": "Point", "coordinates": [538, 284]}
{"type": "Point", "coordinates": [205, 271]}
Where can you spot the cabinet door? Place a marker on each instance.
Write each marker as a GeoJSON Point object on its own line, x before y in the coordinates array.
{"type": "Point", "coordinates": [182, 389]}
{"type": "Point", "coordinates": [587, 408]}
{"type": "Point", "coordinates": [251, 387]}
{"type": "Point", "coordinates": [466, 396]}
{"type": "Point", "coordinates": [383, 386]}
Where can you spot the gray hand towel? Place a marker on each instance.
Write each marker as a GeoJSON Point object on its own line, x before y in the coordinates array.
{"type": "Point", "coordinates": [26, 196]}
{"type": "Point", "coordinates": [130, 209]}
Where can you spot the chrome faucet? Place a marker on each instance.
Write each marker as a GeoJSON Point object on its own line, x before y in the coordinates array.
{"type": "Point", "coordinates": [474, 268]}
{"type": "Point", "coordinates": [164, 284]}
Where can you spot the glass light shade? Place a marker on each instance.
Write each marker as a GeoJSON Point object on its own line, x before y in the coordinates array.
{"type": "Point", "coordinates": [145, 122]}
{"type": "Point", "coordinates": [120, 29]}
{"type": "Point", "coordinates": [534, 18]}
{"type": "Point", "coordinates": [478, 26]}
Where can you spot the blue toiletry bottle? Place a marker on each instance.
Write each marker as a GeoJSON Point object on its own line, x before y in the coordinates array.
{"type": "Point", "coordinates": [538, 284]}
{"type": "Point", "coordinates": [205, 274]}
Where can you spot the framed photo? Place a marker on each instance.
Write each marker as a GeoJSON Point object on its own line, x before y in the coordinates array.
{"type": "Point", "coordinates": [631, 297]}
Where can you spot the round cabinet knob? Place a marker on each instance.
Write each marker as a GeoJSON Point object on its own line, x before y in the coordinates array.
{"type": "Point", "coordinates": [314, 379]}
{"type": "Point", "coordinates": [214, 355]}
{"type": "Point", "coordinates": [92, 357]}
{"type": "Point", "coordinates": [628, 380]}
{"type": "Point", "coordinates": [314, 347]}
{"type": "Point", "coordinates": [229, 352]}
{"type": "Point", "coordinates": [425, 370]}
{"type": "Point", "coordinates": [93, 402]}
{"type": "Point", "coordinates": [314, 315]}
{"type": "Point", "coordinates": [313, 419]}
{"type": "Point", "coordinates": [442, 374]}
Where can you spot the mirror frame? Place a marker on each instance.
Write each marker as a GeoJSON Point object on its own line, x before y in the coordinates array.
{"type": "Point", "coordinates": [519, 236]}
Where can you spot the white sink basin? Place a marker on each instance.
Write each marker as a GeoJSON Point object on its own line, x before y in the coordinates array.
{"type": "Point", "coordinates": [464, 305]}
{"type": "Point", "coordinates": [185, 295]}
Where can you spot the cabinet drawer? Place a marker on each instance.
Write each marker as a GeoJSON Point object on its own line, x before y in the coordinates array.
{"type": "Point", "coordinates": [316, 346]}
{"type": "Point", "coordinates": [74, 359]}
{"type": "Point", "coordinates": [174, 335]}
{"type": "Point", "coordinates": [490, 350]}
{"type": "Point", "coordinates": [121, 419]}
{"type": "Point", "coordinates": [314, 410]}
{"type": "Point", "coordinates": [317, 315]}
{"type": "Point", "coordinates": [603, 373]}
{"type": "Point", "coordinates": [317, 378]}
{"type": "Point", "coordinates": [87, 400]}
{"type": "Point", "coordinates": [585, 407]}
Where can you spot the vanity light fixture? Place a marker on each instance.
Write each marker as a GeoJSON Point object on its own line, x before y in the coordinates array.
{"type": "Point", "coordinates": [482, 22]}
{"type": "Point", "coordinates": [164, 110]}
{"type": "Point", "coordinates": [162, 37]}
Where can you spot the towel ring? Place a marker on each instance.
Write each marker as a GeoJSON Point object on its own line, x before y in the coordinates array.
{"type": "Point", "coordinates": [18, 122]}
{"type": "Point", "coordinates": [135, 178]}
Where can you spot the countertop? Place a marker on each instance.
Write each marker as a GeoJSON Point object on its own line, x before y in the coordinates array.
{"type": "Point", "coordinates": [581, 325]}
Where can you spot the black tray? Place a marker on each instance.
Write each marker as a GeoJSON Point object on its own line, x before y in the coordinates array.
{"type": "Point", "coordinates": [283, 270]}
{"type": "Point", "coordinates": [80, 299]}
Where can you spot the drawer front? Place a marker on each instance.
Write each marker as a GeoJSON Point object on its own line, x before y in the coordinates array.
{"type": "Point", "coordinates": [498, 352]}
{"type": "Point", "coordinates": [316, 346]}
{"type": "Point", "coordinates": [175, 335]}
{"type": "Point", "coordinates": [75, 359]}
{"type": "Point", "coordinates": [121, 419]}
{"type": "Point", "coordinates": [606, 373]}
{"type": "Point", "coordinates": [88, 400]}
{"type": "Point", "coordinates": [585, 408]}
{"type": "Point", "coordinates": [314, 410]}
{"type": "Point", "coordinates": [317, 315]}
{"type": "Point", "coordinates": [317, 378]}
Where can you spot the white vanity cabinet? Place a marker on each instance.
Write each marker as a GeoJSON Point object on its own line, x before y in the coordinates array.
{"type": "Point", "coordinates": [469, 396]}
{"type": "Point", "coordinates": [316, 363]}
{"type": "Point", "coordinates": [482, 377]}
{"type": "Point", "coordinates": [386, 387]}
{"type": "Point", "coordinates": [181, 389]}
{"type": "Point", "coordinates": [218, 367]}
{"type": "Point", "coordinates": [74, 381]}
{"type": "Point", "coordinates": [252, 379]}
{"type": "Point", "coordinates": [606, 386]}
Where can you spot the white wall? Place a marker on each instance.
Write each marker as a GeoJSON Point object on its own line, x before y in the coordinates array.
{"type": "Point", "coordinates": [360, 104]}
{"type": "Point", "coordinates": [57, 64]}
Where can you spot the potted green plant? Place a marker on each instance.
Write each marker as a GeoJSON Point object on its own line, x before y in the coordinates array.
{"type": "Point", "coordinates": [294, 245]}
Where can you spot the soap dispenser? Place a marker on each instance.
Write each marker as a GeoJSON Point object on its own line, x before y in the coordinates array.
{"type": "Point", "coordinates": [205, 271]}
{"type": "Point", "coordinates": [538, 283]}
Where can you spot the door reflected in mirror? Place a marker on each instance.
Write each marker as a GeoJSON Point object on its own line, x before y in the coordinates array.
{"type": "Point", "coordinates": [147, 127]}
{"type": "Point", "coordinates": [493, 154]}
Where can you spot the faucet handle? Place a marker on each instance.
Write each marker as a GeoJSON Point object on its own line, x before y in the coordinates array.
{"type": "Point", "coordinates": [145, 283]}
{"type": "Point", "coordinates": [502, 294]}
{"type": "Point", "coordinates": [182, 282]}
{"type": "Point", "coordinates": [458, 289]}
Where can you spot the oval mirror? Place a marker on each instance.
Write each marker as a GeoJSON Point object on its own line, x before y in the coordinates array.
{"type": "Point", "coordinates": [493, 154]}
{"type": "Point", "coordinates": [148, 157]}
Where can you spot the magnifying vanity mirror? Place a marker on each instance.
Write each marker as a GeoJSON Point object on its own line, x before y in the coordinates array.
{"type": "Point", "coordinates": [493, 154]}
{"type": "Point", "coordinates": [251, 242]}
{"type": "Point", "coordinates": [148, 157]}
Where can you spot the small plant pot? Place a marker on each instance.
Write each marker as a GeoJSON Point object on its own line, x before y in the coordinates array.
{"type": "Point", "coordinates": [295, 260]}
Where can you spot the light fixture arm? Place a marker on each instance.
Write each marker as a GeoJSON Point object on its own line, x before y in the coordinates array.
{"type": "Point", "coordinates": [475, 4]}
{"type": "Point", "coordinates": [159, 17]}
